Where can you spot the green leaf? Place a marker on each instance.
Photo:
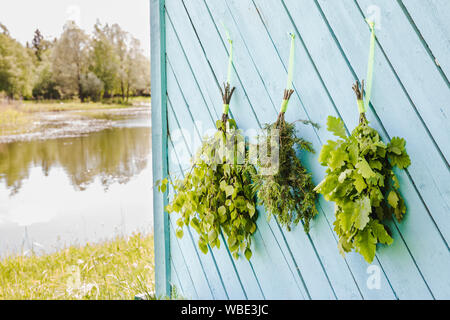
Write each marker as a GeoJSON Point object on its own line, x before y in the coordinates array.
{"type": "Point", "coordinates": [353, 151]}
{"type": "Point", "coordinates": [203, 246]}
{"type": "Point", "coordinates": [397, 145]}
{"type": "Point", "coordinates": [380, 232]}
{"type": "Point", "coordinates": [327, 185]}
{"type": "Point", "coordinates": [180, 233]}
{"type": "Point", "coordinates": [375, 164]}
{"type": "Point", "coordinates": [338, 158]}
{"type": "Point", "coordinates": [336, 126]}
{"type": "Point", "coordinates": [248, 253]}
{"type": "Point", "coordinates": [361, 211]}
{"type": "Point", "coordinates": [212, 235]}
{"type": "Point", "coordinates": [325, 153]}
{"type": "Point", "coordinates": [359, 183]}
{"type": "Point", "coordinates": [395, 180]}
{"type": "Point", "coordinates": [195, 224]}
{"type": "Point", "coordinates": [400, 210]}
{"type": "Point", "coordinates": [397, 153]}
{"type": "Point", "coordinates": [226, 169]}
{"type": "Point", "coordinates": [222, 210]}
{"type": "Point", "coordinates": [344, 175]}
{"type": "Point", "coordinates": [231, 240]}
{"type": "Point", "coordinates": [364, 169]}
{"type": "Point", "coordinates": [365, 243]}
{"type": "Point", "coordinates": [344, 246]}
{"type": "Point", "coordinates": [403, 161]}
{"type": "Point", "coordinates": [169, 208]}
{"type": "Point", "coordinates": [393, 199]}
{"type": "Point", "coordinates": [240, 203]}
{"type": "Point", "coordinates": [209, 218]}
{"type": "Point", "coordinates": [251, 209]}
{"type": "Point", "coordinates": [229, 190]}
{"type": "Point", "coordinates": [346, 216]}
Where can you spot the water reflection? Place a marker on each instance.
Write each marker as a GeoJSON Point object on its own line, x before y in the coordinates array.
{"type": "Point", "coordinates": [114, 155]}
{"type": "Point", "coordinates": [73, 190]}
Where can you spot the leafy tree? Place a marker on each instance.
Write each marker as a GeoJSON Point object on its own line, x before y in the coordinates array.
{"type": "Point", "coordinates": [91, 87]}
{"type": "Point", "coordinates": [3, 29]}
{"type": "Point", "coordinates": [119, 39]}
{"type": "Point", "coordinates": [138, 69]}
{"type": "Point", "coordinates": [16, 67]}
{"type": "Point", "coordinates": [133, 67]}
{"type": "Point", "coordinates": [70, 60]}
{"type": "Point", "coordinates": [39, 44]}
{"type": "Point", "coordinates": [37, 41]}
{"type": "Point", "coordinates": [103, 58]}
{"type": "Point", "coordinates": [111, 61]}
{"type": "Point", "coordinates": [45, 87]}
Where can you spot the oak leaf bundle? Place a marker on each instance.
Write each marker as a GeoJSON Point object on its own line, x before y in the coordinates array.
{"type": "Point", "coordinates": [361, 181]}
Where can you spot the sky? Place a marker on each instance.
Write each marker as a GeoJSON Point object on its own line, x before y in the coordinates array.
{"type": "Point", "coordinates": [22, 17]}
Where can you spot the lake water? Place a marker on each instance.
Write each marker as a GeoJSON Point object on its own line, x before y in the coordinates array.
{"type": "Point", "coordinates": [76, 189]}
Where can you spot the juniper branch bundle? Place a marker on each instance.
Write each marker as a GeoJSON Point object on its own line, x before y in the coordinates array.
{"type": "Point", "coordinates": [288, 194]}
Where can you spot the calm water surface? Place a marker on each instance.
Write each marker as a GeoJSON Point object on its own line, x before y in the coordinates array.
{"type": "Point", "coordinates": [63, 191]}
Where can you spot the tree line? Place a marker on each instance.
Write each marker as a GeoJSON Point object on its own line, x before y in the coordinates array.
{"type": "Point", "coordinates": [106, 64]}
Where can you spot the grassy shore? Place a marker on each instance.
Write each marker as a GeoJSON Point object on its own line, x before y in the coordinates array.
{"type": "Point", "coordinates": [17, 117]}
{"type": "Point", "coordinates": [68, 105]}
{"type": "Point", "coordinates": [117, 269]}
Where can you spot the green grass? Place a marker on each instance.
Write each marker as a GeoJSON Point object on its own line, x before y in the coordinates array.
{"type": "Point", "coordinates": [13, 121]}
{"type": "Point", "coordinates": [140, 99]}
{"type": "Point", "coordinates": [117, 269]}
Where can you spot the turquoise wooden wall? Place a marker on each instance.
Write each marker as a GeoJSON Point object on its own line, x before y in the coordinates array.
{"type": "Point", "coordinates": [410, 99]}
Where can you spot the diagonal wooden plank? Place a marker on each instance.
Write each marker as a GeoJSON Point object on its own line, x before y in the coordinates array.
{"type": "Point", "coordinates": [431, 20]}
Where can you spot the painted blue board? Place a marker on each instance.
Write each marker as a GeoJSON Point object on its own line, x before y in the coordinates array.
{"type": "Point", "coordinates": [410, 95]}
{"type": "Point", "coordinates": [159, 147]}
{"type": "Point", "coordinates": [430, 19]}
